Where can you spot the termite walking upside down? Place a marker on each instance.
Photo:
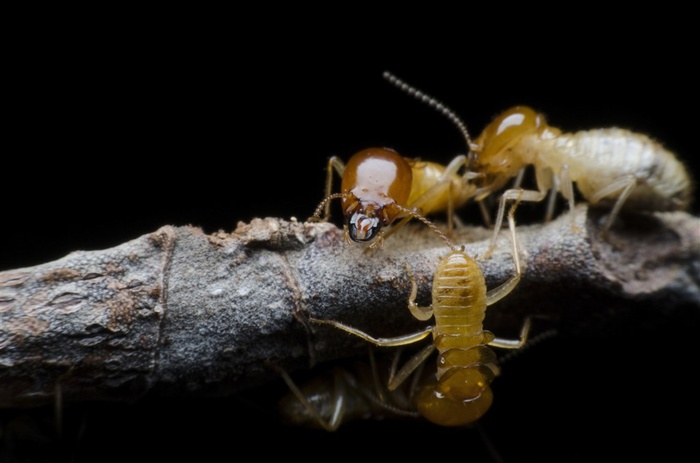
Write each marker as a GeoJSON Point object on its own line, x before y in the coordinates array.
{"type": "Point", "coordinates": [460, 393]}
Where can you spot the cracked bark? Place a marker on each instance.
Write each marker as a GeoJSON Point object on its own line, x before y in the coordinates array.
{"type": "Point", "coordinates": [180, 312]}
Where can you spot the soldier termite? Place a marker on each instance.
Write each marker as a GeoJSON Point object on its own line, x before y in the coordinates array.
{"type": "Point", "coordinates": [611, 167]}
{"type": "Point", "coordinates": [379, 186]}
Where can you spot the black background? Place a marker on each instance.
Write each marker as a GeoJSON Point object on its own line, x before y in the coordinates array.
{"type": "Point", "coordinates": [110, 139]}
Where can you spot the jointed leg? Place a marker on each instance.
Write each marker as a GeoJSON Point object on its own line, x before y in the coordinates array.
{"type": "Point", "coordinates": [397, 378]}
{"type": "Point", "coordinates": [382, 342]}
{"type": "Point", "coordinates": [567, 190]}
{"type": "Point", "coordinates": [421, 313]}
{"type": "Point", "coordinates": [498, 293]}
{"type": "Point", "coordinates": [624, 185]}
{"type": "Point", "coordinates": [514, 343]}
{"type": "Point", "coordinates": [510, 195]}
{"type": "Point", "coordinates": [339, 398]}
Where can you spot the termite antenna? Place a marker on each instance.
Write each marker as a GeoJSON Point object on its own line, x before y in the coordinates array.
{"type": "Point", "coordinates": [430, 101]}
{"type": "Point", "coordinates": [316, 217]}
{"type": "Point", "coordinates": [415, 214]}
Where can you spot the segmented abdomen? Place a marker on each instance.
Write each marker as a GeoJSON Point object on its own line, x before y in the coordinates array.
{"type": "Point", "coordinates": [596, 158]}
{"type": "Point", "coordinates": [462, 393]}
{"type": "Point", "coordinates": [459, 303]}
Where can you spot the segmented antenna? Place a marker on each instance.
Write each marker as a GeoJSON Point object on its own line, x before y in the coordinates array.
{"type": "Point", "coordinates": [430, 101]}
{"type": "Point", "coordinates": [412, 213]}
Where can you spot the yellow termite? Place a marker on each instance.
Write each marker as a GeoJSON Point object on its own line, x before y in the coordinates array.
{"type": "Point", "coordinates": [460, 393]}
{"type": "Point", "coordinates": [341, 393]}
{"type": "Point", "coordinates": [611, 167]}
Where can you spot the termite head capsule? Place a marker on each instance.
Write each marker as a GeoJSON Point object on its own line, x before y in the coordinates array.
{"type": "Point", "coordinates": [495, 147]}
{"type": "Point", "coordinates": [504, 131]}
{"type": "Point", "coordinates": [376, 185]}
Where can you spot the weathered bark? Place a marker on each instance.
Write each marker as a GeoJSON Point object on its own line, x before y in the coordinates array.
{"type": "Point", "coordinates": [180, 312]}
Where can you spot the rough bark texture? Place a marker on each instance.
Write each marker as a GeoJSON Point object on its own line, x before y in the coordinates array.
{"type": "Point", "coordinates": [181, 312]}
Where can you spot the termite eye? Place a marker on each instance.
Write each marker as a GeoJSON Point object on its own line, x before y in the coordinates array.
{"type": "Point", "coordinates": [507, 129]}
{"type": "Point", "coordinates": [362, 227]}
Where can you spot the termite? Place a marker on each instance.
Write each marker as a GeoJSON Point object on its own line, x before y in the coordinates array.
{"type": "Point", "coordinates": [356, 391]}
{"type": "Point", "coordinates": [379, 186]}
{"type": "Point", "coordinates": [460, 393]}
{"type": "Point", "coordinates": [611, 167]}
{"type": "Point", "coordinates": [346, 393]}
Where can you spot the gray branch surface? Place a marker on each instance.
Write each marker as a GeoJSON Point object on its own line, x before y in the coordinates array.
{"type": "Point", "coordinates": [181, 312]}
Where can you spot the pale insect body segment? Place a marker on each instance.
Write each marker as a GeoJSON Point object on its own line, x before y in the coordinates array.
{"type": "Point", "coordinates": [656, 179]}
{"type": "Point", "coordinates": [611, 167]}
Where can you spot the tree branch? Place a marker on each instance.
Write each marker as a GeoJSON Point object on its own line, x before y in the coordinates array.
{"type": "Point", "coordinates": [179, 312]}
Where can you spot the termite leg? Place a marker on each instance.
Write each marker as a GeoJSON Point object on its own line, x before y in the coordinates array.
{"type": "Point", "coordinates": [531, 341]}
{"type": "Point", "coordinates": [301, 316]}
{"type": "Point", "coordinates": [397, 378]}
{"type": "Point", "coordinates": [378, 390]}
{"type": "Point", "coordinates": [514, 343]}
{"type": "Point", "coordinates": [485, 214]}
{"type": "Point", "coordinates": [499, 292]}
{"type": "Point", "coordinates": [518, 179]}
{"type": "Point", "coordinates": [551, 201]}
{"type": "Point", "coordinates": [392, 383]}
{"type": "Point", "coordinates": [339, 393]}
{"type": "Point", "coordinates": [385, 233]}
{"type": "Point", "coordinates": [416, 381]}
{"type": "Point", "coordinates": [421, 313]}
{"type": "Point", "coordinates": [624, 185]}
{"type": "Point", "coordinates": [377, 244]}
{"type": "Point", "coordinates": [410, 366]}
{"type": "Point", "coordinates": [510, 195]}
{"type": "Point", "coordinates": [382, 342]}
{"type": "Point", "coordinates": [567, 190]}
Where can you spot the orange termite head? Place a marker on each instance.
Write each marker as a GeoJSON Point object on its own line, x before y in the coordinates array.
{"type": "Point", "coordinates": [494, 143]}
{"type": "Point", "coordinates": [375, 187]}
{"type": "Point", "coordinates": [500, 151]}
